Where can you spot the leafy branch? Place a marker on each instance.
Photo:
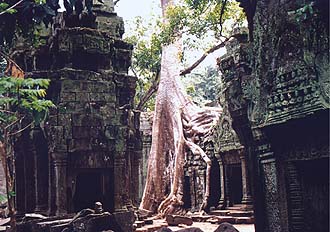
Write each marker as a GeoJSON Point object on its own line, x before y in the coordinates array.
{"type": "Point", "coordinates": [8, 10]}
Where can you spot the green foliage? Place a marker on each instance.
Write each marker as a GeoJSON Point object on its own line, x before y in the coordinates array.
{"type": "Point", "coordinates": [193, 20]}
{"type": "Point", "coordinates": [147, 49]}
{"type": "Point", "coordinates": [146, 56]}
{"type": "Point", "coordinates": [304, 12]}
{"type": "Point", "coordinates": [12, 194]}
{"type": "Point", "coordinates": [200, 18]}
{"type": "Point", "coordinates": [203, 87]}
{"type": "Point", "coordinates": [3, 198]}
{"type": "Point", "coordinates": [21, 97]}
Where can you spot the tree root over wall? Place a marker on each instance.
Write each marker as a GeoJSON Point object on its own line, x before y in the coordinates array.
{"type": "Point", "coordinates": [177, 126]}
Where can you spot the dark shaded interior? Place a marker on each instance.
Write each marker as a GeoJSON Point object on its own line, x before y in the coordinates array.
{"type": "Point", "coordinates": [235, 183]}
{"type": "Point", "coordinates": [215, 184]}
{"type": "Point", "coordinates": [315, 185]}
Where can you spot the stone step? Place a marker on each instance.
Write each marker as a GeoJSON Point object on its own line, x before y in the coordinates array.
{"type": "Point", "coordinates": [55, 222]}
{"type": "Point", "coordinates": [139, 224]}
{"type": "Point", "coordinates": [141, 230]}
{"type": "Point", "coordinates": [220, 212]}
{"type": "Point", "coordinates": [221, 219]}
{"type": "Point", "coordinates": [240, 207]}
{"type": "Point", "coordinates": [233, 213]}
{"type": "Point", "coordinates": [244, 220]}
{"type": "Point", "coordinates": [231, 220]}
{"type": "Point", "coordinates": [200, 218]}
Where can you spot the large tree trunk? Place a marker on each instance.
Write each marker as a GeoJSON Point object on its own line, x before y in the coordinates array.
{"type": "Point", "coordinates": [176, 125]}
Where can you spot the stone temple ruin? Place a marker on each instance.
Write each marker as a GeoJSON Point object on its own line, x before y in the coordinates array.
{"type": "Point", "coordinates": [90, 147]}
{"type": "Point", "coordinates": [277, 91]}
{"type": "Point", "coordinates": [269, 151]}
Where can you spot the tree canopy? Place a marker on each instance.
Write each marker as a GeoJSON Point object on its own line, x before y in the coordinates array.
{"type": "Point", "coordinates": [203, 24]}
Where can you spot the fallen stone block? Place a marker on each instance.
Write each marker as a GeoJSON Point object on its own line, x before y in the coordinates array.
{"type": "Point", "coordinates": [139, 224]}
{"type": "Point", "coordinates": [174, 220]}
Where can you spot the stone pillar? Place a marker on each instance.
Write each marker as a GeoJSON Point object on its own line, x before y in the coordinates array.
{"type": "Point", "coordinates": [20, 185]}
{"type": "Point", "coordinates": [120, 191]}
{"type": "Point", "coordinates": [221, 204]}
{"type": "Point", "coordinates": [270, 188]}
{"type": "Point", "coordinates": [41, 170]}
{"type": "Point", "coordinates": [246, 199]}
{"type": "Point", "coordinates": [201, 186]}
{"type": "Point", "coordinates": [227, 186]}
{"type": "Point", "coordinates": [60, 168]}
{"type": "Point", "coordinates": [146, 146]}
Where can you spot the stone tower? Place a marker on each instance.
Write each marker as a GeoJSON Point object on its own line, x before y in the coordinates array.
{"type": "Point", "coordinates": [89, 148]}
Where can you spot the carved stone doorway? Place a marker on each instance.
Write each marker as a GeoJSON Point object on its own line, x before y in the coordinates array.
{"type": "Point", "coordinates": [92, 186]}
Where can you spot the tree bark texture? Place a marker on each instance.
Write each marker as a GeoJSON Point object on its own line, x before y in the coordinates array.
{"type": "Point", "coordinates": [177, 125]}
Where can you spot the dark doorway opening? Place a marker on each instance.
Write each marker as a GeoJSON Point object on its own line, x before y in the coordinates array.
{"type": "Point", "coordinates": [215, 184]}
{"type": "Point", "coordinates": [315, 188]}
{"type": "Point", "coordinates": [235, 183]}
{"type": "Point", "coordinates": [186, 193]}
{"type": "Point", "coordinates": [88, 190]}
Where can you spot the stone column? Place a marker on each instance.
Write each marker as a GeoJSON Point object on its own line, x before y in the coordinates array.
{"type": "Point", "coordinates": [41, 170]}
{"type": "Point", "coordinates": [270, 188]}
{"type": "Point", "coordinates": [201, 186]}
{"type": "Point", "coordinates": [246, 199]}
{"type": "Point", "coordinates": [60, 168]}
{"type": "Point", "coordinates": [120, 191]}
{"type": "Point", "coordinates": [146, 146]}
{"type": "Point", "coordinates": [221, 203]}
{"type": "Point", "coordinates": [227, 187]}
{"type": "Point", "coordinates": [20, 185]}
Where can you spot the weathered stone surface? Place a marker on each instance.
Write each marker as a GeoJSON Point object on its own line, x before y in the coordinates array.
{"type": "Point", "coordinates": [174, 220]}
{"type": "Point", "coordinates": [278, 109]}
{"type": "Point", "coordinates": [164, 229]}
{"type": "Point", "coordinates": [226, 227]}
{"type": "Point", "coordinates": [192, 229]}
{"type": "Point", "coordinates": [123, 221]}
{"type": "Point", "coordinates": [90, 150]}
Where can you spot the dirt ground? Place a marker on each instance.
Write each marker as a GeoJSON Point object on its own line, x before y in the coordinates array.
{"type": "Point", "coordinates": [208, 227]}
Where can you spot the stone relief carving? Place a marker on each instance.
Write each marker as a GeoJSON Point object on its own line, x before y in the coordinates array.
{"type": "Point", "coordinates": [225, 137]}
{"type": "Point", "coordinates": [323, 73]}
